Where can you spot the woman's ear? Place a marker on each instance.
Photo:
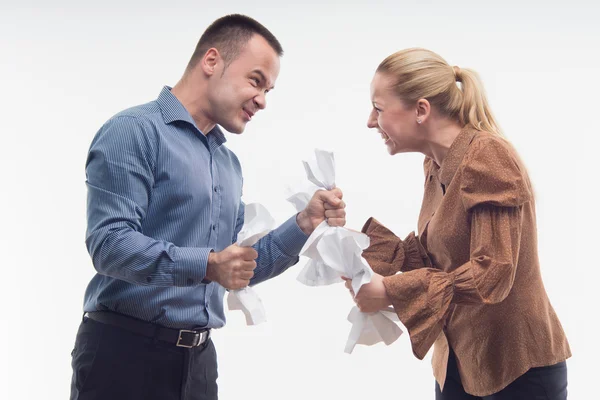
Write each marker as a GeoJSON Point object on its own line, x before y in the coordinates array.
{"type": "Point", "coordinates": [423, 110]}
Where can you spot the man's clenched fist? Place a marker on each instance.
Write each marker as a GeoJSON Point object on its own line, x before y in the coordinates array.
{"type": "Point", "coordinates": [233, 267]}
{"type": "Point", "coordinates": [324, 205]}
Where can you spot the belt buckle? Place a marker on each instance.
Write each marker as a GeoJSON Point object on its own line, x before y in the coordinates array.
{"type": "Point", "coordinates": [207, 335]}
{"type": "Point", "coordinates": [180, 338]}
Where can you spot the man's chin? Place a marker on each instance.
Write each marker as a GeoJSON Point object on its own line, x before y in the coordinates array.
{"type": "Point", "coordinates": [234, 129]}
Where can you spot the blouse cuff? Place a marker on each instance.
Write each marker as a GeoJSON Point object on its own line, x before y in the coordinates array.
{"type": "Point", "coordinates": [385, 253]}
{"type": "Point", "coordinates": [415, 256]}
{"type": "Point", "coordinates": [423, 312]}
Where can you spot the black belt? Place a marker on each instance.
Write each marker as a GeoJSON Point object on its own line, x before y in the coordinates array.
{"type": "Point", "coordinates": [179, 337]}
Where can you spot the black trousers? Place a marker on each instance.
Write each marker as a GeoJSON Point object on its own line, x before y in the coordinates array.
{"type": "Point", "coordinates": [112, 363]}
{"type": "Point", "coordinates": [543, 383]}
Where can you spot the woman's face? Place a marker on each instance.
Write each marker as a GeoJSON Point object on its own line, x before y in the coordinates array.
{"type": "Point", "coordinates": [393, 119]}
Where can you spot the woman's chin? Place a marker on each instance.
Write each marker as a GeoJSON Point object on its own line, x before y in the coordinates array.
{"type": "Point", "coordinates": [391, 147]}
{"type": "Point", "coordinates": [394, 148]}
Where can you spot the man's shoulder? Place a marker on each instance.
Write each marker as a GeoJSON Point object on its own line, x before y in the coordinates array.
{"type": "Point", "coordinates": [147, 111]}
{"type": "Point", "coordinates": [136, 124]}
{"type": "Point", "coordinates": [143, 120]}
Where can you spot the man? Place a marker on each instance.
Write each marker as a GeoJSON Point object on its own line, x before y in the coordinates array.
{"type": "Point", "coordinates": [164, 207]}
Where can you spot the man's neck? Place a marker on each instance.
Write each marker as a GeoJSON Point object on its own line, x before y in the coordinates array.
{"type": "Point", "coordinates": [190, 96]}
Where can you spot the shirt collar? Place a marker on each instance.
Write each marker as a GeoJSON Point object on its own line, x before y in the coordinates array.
{"type": "Point", "coordinates": [455, 155]}
{"type": "Point", "coordinates": [172, 110]}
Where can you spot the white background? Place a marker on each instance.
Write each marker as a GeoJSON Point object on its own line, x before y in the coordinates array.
{"type": "Point", "coordinates": [67, 67]}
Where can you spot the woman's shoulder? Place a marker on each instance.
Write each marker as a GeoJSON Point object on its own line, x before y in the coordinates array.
{"type": "Point", "coordinates": [489, 144]}
{"type": "Point", "coordinates": [492, 172]}
{"type": "Point", "coordinates": [495, 153]}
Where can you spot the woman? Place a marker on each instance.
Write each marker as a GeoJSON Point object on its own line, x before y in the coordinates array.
{"type": "Point", "coordinates": [470, 282]}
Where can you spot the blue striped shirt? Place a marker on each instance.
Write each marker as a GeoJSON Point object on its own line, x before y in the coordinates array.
{"type": "Point", "coordinates": [161, 196]}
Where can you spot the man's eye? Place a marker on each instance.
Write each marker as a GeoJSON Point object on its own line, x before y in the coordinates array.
{"type": "Point", "coordinates": [255, 80]}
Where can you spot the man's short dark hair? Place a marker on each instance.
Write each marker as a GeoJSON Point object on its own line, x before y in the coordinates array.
{"type": "Point", "coordinates": [229, 35]}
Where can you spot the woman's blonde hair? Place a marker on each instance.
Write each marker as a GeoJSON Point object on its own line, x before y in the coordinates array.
{"type": "Point", "coordinates": [422, 74]}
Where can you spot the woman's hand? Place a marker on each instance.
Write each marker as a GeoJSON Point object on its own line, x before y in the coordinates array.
{"type": "Point", "coordinates": [372, 296]}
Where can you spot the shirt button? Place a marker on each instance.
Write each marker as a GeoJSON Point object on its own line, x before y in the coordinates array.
{"type": "Point", "coordinates": [214, 227]}
{"type": "Point", "coordinates": [216, 189]}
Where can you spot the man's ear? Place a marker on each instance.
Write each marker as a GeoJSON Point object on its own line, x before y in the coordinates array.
{"type": "Point", "coordinates": [210, 61]}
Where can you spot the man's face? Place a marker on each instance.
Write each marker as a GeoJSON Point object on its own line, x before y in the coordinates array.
{"type": "Point", "coordinates": [238, 93]}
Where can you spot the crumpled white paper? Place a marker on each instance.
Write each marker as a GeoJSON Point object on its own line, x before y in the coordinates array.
{"type": "Point", "coordinates": [257, 223]}
{"type": "Point", "coordinates": [335, 252]}
{"type": "Point", "coordinates": [372, 328]}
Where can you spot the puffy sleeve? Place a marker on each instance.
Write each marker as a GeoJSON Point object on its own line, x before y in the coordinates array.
{"type": "Point", "coordinates": [493, 175]}
{"type": "Point", "coordinates": [387, 254]}
{"type": "Point", "coordinates": [493, 191]}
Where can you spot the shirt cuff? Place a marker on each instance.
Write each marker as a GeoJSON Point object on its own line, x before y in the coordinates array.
{"type": "Point", "coordinates": [190, 265]}
{"type": "Point", "coordinates": [289, 237]}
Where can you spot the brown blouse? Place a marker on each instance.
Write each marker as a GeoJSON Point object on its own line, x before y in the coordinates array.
{"type": "Point", "coordinates": [471, 279]}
